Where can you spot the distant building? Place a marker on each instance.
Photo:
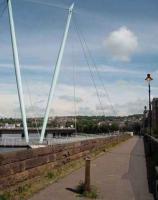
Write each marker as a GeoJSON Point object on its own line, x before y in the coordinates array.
{"type": "Point", "coordinates": [155, 114]}
{"type": "Point", "coordinates": [18, 125]}
{"type": "Point", "coordinates": [64, 121]}
{"type": "Point", "coordinates": [9, 125]}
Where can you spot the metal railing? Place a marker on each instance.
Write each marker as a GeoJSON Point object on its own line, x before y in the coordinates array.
{"type": "Point", "coordinates": [12, 141]}
{"type": "Point", "coordinates": [19, 141]}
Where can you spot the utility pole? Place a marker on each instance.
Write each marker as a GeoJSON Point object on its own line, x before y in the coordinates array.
{"type": "Point", "coordinates": [56, 73]}
{"type": "Point", "coordinates": [17, 69]}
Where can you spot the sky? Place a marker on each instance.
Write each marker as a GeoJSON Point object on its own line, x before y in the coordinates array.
{"type": "Point", "coordinates": [110, 48]}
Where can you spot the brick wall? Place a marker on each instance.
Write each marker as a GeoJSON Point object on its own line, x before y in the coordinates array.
{"type": "Point", "coordinates": [17, 167]}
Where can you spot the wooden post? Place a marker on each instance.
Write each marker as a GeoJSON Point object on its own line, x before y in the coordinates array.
{"type": "Point", "coordinates": [87, 174]}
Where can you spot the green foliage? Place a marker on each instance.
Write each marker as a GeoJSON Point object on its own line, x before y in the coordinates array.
{"type": "Point", "coordinates": [24, 188]}
{"type": "Point", "coordinates": [69, 123]}
{"type": "Point", "coordinates": [86, 124]}
{"type": "Point", "coordinates": [91, 125]}
{"type": "Point", "coordinates": [50, 175]}
{"type": "Point", "coordinates": [93, 193]}
{"type": "Point", "coordinates": [136, 127]}
{"type": "Point", "coordinates": [5, 196]}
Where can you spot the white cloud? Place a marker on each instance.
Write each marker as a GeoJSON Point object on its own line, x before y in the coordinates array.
{"type": "Point", "coordinates": [124, 96]}
{"type": "Point", "coordinates": [70, 98]}
{"type": "Point", "coordinates": [122, 43]}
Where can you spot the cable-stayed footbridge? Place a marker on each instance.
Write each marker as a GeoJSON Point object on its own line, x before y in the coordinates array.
{"type": "Point", "coordinates": [88, 58]}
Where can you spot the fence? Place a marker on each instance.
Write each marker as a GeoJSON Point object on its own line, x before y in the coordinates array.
{"type": "Point", "coordinates": [151, 151]}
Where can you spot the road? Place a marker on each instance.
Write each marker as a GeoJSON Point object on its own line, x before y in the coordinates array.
{"type": "Point", "coordinates": [119, 174]}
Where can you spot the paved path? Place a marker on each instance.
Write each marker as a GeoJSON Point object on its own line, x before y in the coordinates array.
{"type": "Point", "coordinates": [119, 175]}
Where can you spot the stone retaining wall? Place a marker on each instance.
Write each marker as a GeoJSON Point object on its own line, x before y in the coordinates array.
{"type": "Point", "coordinates": [20, 166]}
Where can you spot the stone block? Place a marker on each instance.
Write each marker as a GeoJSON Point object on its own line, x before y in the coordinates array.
{"type": "Point", "coordinates": [34, 162]}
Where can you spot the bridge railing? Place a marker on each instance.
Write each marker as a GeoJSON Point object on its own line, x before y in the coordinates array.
{"type": "Point", "coordinates": [12, 141]}
{"type": "Point", "coordinates": [19, 141]}
{"type": "Point", "coordinates": [80, 137]}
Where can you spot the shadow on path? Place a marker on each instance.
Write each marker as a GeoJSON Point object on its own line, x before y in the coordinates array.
{"type": "Point", "coordinates": [137, 173]}
{"type": "Point", "coordinates": [72, 190]}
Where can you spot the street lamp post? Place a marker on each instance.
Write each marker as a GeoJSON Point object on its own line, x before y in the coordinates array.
{"type": "Point", "coordinates": [149, 79]}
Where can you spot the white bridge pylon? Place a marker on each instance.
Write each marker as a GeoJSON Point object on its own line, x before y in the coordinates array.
{"type": "Point", "coordinates": [18, 73]}
{"type": "Point", "coordinates": [56, 73]}
{"type": "Point", "coordinates": [17, 70]}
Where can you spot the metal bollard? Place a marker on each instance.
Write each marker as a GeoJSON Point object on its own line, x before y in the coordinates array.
{"type": "Point", "coordinates": [87, 174]}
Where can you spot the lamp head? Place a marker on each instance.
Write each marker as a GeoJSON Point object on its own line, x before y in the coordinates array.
{"type": "Point", "coordinates": [149, 78]}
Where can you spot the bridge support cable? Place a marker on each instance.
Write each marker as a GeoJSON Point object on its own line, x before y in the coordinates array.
{"type": "Point", "coordinates": [75, 73]}
{"type": "Point", "coordinates": [47, 4]}
{"type": "Point", "coordinates": [89, 67]}
{"type": "Point", "coordinates": [74, 68]}
{"type": "Point", "coordinates": [74, 89]}
{"type": "Point", "coordinates": [96, 69]}
{"type": "Point", "coordinates": [17, 70]}
{"type": "Point", "coordinates": [100, 78]}
{"type": "Point", "coordinates": [56, 73]}
{"type": "Point", "coordinates": [3, 8]}
{"type": "Point", "coordinates": [75, 106]}
{"type": "Point", "coordinates": [32, 105]}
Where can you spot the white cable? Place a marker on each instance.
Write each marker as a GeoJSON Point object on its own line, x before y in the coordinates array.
{"type": "Point", "coordinates": [47, 4]}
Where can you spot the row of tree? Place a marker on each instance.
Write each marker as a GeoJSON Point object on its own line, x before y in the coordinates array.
{"type": "Point", "coordinates": [84, 124]}
{"type": "Point", "coordinates": [92, 126]}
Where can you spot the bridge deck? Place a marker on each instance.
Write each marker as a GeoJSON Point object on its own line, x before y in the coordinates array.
{"type": "Point", "coordinates": [119, 174]}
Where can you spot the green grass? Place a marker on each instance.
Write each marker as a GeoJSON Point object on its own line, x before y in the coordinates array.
{"type": "Point", "coordinates": [5, 196]}
{"type": "Point", "coordinates": [50, 175]}
{"type": "Point", "coordinates": [2, 197]}
{"type": "Point", "coordinates": [92, 194]}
